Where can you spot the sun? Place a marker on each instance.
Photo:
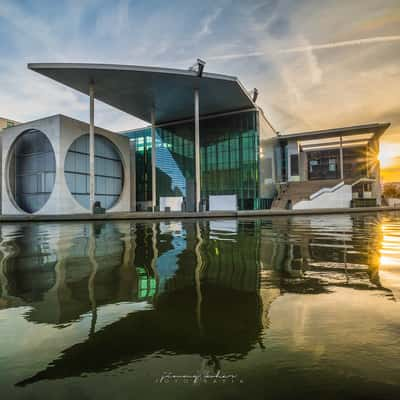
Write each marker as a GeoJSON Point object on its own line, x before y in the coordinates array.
{"type": "Point", "coordinates": [388, 154]}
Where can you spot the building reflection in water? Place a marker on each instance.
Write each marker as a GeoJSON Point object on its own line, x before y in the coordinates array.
{"type": "Point", "coordinates": [195, 287]}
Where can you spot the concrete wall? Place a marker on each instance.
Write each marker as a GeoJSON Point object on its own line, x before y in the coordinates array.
{"type": "Point", "coordinates": [173, 202]}
{"type": "Point", "coordinates": [223, 203]}
{"type": "Point", "coordinates": [62, 131]}
{"type": "Point", "coordinates": [332, 198]}
{"type": "Point", "coordinates": [303, 167]}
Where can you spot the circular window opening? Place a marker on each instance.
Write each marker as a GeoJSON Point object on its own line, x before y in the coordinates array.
{"type": "Point", "coordinates": [32, 170]}
{"type": "Point", "coordinates": [109, 173]}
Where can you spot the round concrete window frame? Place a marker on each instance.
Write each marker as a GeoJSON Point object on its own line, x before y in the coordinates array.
{"type": "Point", "coordinates": [116, 148]}
{"type": "Point", "coordinates": [7, 170]}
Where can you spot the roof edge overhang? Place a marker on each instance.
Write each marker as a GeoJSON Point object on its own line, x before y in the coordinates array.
{"type": "Point", "coordinates": [124, 67]}
{"type": "Point", "coordinates": [93, 68]}
{"type": "Point", "coordinates": [377, 128]}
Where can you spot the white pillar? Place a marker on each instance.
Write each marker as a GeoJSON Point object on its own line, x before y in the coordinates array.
{"type": "Point", "coordinates": [197, 147]}
{"type": "Point", "coordinates": [341, 159]}
{"type": "Point", "coordinates": [1, 177]}
{"type": "Point", "coordinates": [153, 163]}
{"type": "Point", "coordinates": [91, 148]}
{"type": "Point", "coordinates": [132, 149]}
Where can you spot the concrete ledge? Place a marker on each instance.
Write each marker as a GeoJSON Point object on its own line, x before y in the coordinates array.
{"type": "Point", "coordinates": [192, 215]}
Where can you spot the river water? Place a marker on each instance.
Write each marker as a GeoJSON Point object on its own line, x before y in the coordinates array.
{"type": "Point", "coordinates": [274, 308]}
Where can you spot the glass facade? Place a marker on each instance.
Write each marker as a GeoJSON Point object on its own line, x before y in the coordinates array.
{"type": "Point", "coordinates": [325, 164]}
{"type": "Point", "coordinates": [355, 162]}
{"type": "Point", "coordinates": [175, 162]}
{"type": "Point", "coordinates": [229, 160]}
{"type": "Point", "coordinates": [229, 157]}
{"type": "Point", "coordinates": [32, 170]}
{"type": "Point", "coordinates": [142, 139]}
{"type": "Point", "coordinates": [108, 167]}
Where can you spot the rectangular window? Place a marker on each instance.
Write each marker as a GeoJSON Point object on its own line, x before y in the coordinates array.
{"type": "Point", "coordinates": [294, 164]}
{"type": "Point", "coordinates": [323, 164]}
{"type": "Point", "coordinates": [332, 164]}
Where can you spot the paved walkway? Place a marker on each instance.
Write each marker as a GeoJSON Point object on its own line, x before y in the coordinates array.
{"type": "Point", "coordinates": [192, 215]}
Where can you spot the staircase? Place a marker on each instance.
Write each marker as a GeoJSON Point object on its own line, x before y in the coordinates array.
{"type": "Point", "coordinates": [293, 192]}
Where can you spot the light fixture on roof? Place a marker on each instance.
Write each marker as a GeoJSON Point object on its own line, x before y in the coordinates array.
{"type": "Point", "coordinates": [198, 67]}
{"type": "Point", "coordinates": [255, 95]}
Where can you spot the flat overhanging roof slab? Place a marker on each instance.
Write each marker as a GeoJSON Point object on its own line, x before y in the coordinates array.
{"type": "Point", "coordinates": [310, 141]}
{"type": "Point", "coordinates": [375, 130]}
{"type": "Point", "coordinates": [137, 90]}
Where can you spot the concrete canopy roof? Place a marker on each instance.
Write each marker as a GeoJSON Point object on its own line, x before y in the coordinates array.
{"type": "Point", "coordinates": [136, 90]}
{"type": "Point", "coordinates": [376, 129]}
{"type": "Point", "coordinates": [352, 136]}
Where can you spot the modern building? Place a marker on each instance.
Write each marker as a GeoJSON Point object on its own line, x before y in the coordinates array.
{"type": "Point", "coordinates": [7, 123]}
{"type": "Point", "coordinates": [330, 168]}
{"type": "Point", "coordinates": [208, 146]}
{"type": "Point", "coordinates": [334, 167]}
{"type": "Point", "coordinates": [46, 168]}
{"type": "Point", "coordinates": [236, 159]}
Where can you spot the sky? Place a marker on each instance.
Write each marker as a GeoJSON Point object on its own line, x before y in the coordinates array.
{"type": "Point", "coordinates": [317, 64]}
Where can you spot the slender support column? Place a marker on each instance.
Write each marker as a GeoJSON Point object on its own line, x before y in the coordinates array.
{"type": "Point", "coordinates": [1, 178]}
{"type": "Point", "coordinates": [197, 147]}
{"type": "Point", "coordinates": [91, 148]}
{"type": "Point", "coordinates": [132, 149]}
{"type": "Point", "coordinates": [153, 163]}
{"type": "Point", "coordinates": [341, 159]}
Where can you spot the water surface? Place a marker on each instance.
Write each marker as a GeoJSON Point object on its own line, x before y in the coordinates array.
{"type": "Point", "coordinates": [279, 308]}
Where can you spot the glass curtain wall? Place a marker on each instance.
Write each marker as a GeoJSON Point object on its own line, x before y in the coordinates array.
{"type": "Point", "coordinates": [229, 157]}
{"type": "Point", "coordinates": [229, 151]}
{"type": "Point", "coordinates": [142, 139]}
{"type": "Point", "coordinates": [175, 163]}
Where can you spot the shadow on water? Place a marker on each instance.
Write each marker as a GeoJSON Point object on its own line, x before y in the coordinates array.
{"type": "Point", "coordinates": [202, 288]}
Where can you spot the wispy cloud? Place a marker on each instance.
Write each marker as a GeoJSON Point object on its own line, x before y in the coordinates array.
{"type": "Point", "coordinates": [307, 48]}
{"type": "Point", "coordinates": [206, 23]}
{"type": "Point", "coordinates": [235, 56]}
{"type": "Point", "coordinates": [265, 43]}
{"type": "Point", "coordinates": [333, 45]}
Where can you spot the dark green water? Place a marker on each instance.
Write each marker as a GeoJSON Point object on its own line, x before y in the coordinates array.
{"type": "Point", "coordinates": [282, 308]}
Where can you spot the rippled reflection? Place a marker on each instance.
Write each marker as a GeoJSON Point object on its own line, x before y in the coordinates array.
{"type": "Point", "coordinates": [81, 300]}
